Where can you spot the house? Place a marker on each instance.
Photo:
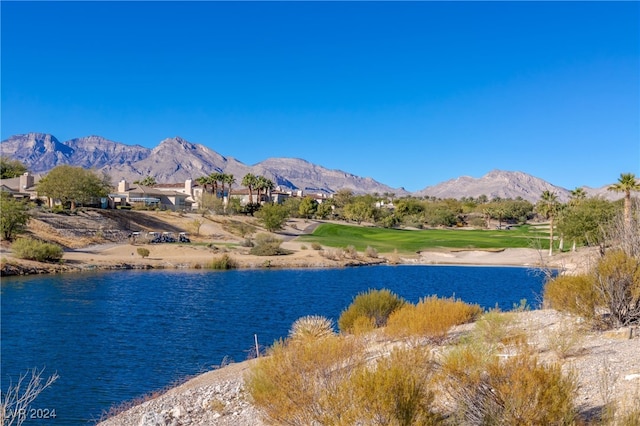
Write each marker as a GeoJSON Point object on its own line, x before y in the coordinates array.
{"type": "Point", "coordinates": [141, 195]}
{"type": "Point", "coordinates": [23, 186]}
{"type": "Point", "coordinates": [193, 191]}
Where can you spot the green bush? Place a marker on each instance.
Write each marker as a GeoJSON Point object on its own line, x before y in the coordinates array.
{"type": "Point", "coordinates": [268, 245]}
{"type": "Point", "coordinates": [222, 262]}
{"type": "Point", "coordinates": [316, 246]}
{"type": "Point", "coordinates": [143, 252]}
{"type": "Point", "coordinates": [376, 305]}
{"type": "Point", "coordinates": [27, 248]}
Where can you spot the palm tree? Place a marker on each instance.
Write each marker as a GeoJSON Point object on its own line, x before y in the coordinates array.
{"type": "Point", "coordinates": [577, 195]}
{"type": "Point", "coordinates": [213, 179]}
{"type": "Point", "coordinates": [204, 181]}
{"type": "Point", "coordinates": [626, 183]}
{"type": "Point", "coordinates": [250, 180]}
{"type": "Point", "coordinates": [265, 185]}
{"type": "Point", "coordinates": [229, 180]}
{"type": "Point", "coordinates": [548, 206]}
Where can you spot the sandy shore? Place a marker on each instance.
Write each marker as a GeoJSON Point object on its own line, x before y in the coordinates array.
{"type": "Point", "coordinates": [180, 256]}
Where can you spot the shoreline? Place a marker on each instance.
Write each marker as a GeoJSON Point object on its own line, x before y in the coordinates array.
{"type": "Point", "coordinates": [123, 256]}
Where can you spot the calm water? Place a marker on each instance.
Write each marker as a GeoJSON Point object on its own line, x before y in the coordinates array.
{"type": "Point", "coordinates": [114, 336]}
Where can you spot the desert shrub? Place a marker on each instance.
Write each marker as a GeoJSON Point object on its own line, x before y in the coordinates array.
{"type": "Point", "coordinates": [495, 330]}
{"type": "Point", "coordinates": [373, 304]}
{"type": "Point", "coordinates": [268, 245]}
{"type": "Point", "coordinates": [297, 383]}
{"type": "Point", "coordinates": [143, 252]}
{"type": "Point", "coordinates": [432, 317]}
{"type": "Point", "coordinates": [371, 252]}
{"type": "Point", "coordinates": [240, 228]}
{"type": "Point", "coordinates": [311, 326]}
{"type": "Point", "coordinates": [565, 340]}
{"type": "Point", "coordinates": [333, 254]}
{"type": "Point", "coordinates": [617, 285]}
{"type": "Point", "coordinates": [28, 248]}
{"type": "Point", "coordinates": [222, 262]}
{"type": "Point", "coordinates": [350, 252]}
{"type": "Point", "coordinates": [362, 325]}
{"type": "Point", "coordinates": [397, 391]}
{"type": "Point", "coordinates": [247, 242]}
{"type": "Point", "coordinates": [516, 391]}
{"type": "Point", "coordinates": [573, 294]}
{"type": "Point", "coordinates": [316, 246]}
{"type": "Point", "coordinates": [304, 247]}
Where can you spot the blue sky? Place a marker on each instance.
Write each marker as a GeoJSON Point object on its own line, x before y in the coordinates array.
{"type": "Point", "coordinates": [410, 94]}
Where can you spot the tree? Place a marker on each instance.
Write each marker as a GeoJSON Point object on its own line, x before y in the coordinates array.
{"type": "Point", "coordinates": [577, 195]}
{"type": "Point", "coordinates": [273, 216]}
{"type": "Point", "coordinates": [11, 168]}
{"type": "Point", "coordinates": [229, 180]}
{"type": "Point", "coordinates": [548, 207]}
{"type": "Point", "coordinates": [324, 209]}
{"type": "Point", "coordinates": [585, 221]}
{"type": "Point", "coordinates": [626, 183]}
{"type": "Point", "coordinates": [308, 207]}
{"type": "Point", "coordinates": [213, 180]}
{"type": "Point", "coordinates": [148, 181]}
{"type": "Point", "coordinates": [14, 215]}
{"type": "Point", "coordinates": [359, 211]}
{"type": "Point", "coordinates": [250, 181]}
{"type": "Point", "coordinates": [73, 185]}
{"type": "Point", "coordinates": [204, 181]}
{"type": "Point", "coordinates": [266, 185]}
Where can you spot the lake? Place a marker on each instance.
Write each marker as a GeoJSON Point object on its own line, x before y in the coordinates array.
{"type": "Point", "coordinates": [115, 336]}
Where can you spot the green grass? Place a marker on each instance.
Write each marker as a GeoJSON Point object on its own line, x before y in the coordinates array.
{"type": "Point", "coordinates": [405, 241]}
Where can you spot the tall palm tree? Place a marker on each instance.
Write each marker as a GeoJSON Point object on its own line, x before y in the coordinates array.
{"type": "Point", "coordinates": [547, 207]}
{"type": "Point", "coordinates": [229, 180]}
{"type": "Point", "coordinates": [214, 178]}
{"type": "Point", "coordinates": [626, 183]}
{"type": "Point", "coordinates": [250, 180]}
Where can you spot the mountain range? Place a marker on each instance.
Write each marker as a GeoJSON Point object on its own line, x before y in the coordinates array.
{"type": "Point", "coordinates": [175, 160]}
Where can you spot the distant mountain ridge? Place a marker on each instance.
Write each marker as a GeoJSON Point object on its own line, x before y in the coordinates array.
{"type": "Point", "coordinates": [176, 159]}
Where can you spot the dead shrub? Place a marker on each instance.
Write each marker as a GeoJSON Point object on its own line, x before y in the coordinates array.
{"type": "Point", "coordinates": [432, 317]}
{"type": "Point", "coordinates": [350, 252]}
{"type": "Point", "coordinates": [371, 252]}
